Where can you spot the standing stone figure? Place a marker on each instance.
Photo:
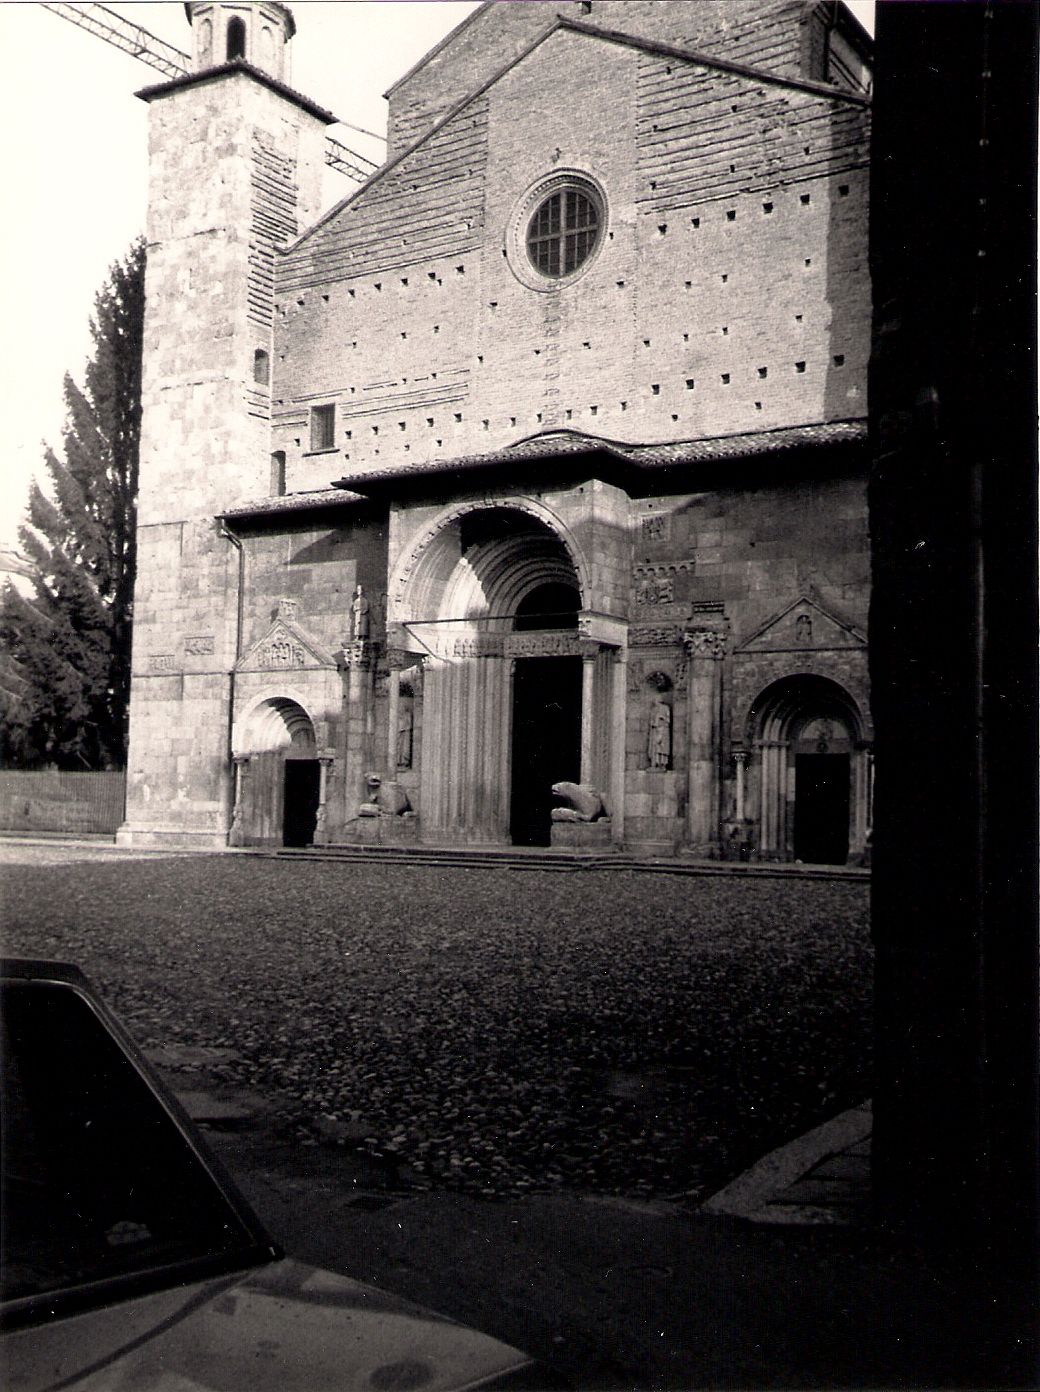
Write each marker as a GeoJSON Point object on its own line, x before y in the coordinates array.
{"type": "Point", "coordinates": [360, 611]}
{"type": "Point", "coordinates": [405, 723]}
{"type": "Point", "coordinates": [659, 735]}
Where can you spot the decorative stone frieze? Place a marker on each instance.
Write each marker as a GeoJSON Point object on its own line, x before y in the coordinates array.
{"type": "Point", "coordinates": [543, 645]}
{"type": "Point", "coordinates": [656, 528]}
{"type": "Point", "coordinates": [280, 650]}
{"type": "Point", "coordinates": [478, 645]}
{"type": "Point", "coordinates": [199, 644]}
{"type": "Point", "coordinates": [286, 646]}
{"type": "Point", "coordinates": [654, 635]}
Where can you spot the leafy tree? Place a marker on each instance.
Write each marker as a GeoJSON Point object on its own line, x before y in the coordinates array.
{"type": "Point", "coordinates": [65, 651]}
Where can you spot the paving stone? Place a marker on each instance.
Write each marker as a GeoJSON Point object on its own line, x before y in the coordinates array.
{"type": "Point", "coordinates": [817, 1191]}
{"type": "Point", "coordinates": [220, 1111]}
{"type": "Point", "coordinates": [852, 1168]}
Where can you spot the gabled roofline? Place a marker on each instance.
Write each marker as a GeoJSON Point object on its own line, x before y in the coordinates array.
{"type": "Point", "coordinates": [438, 47]}
{"type": "Point", "coordinates": [808, 596]}
{"type": "Point", "coordinates": [689, 55]}
{"type": "Point", "coordinates": [860, 33]}
{"type": "Point", "coordinates": [663, 50]}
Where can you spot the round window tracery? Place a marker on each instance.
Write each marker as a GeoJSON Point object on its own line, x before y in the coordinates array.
{"type": "Point", "coordinates": [563, 232]}
{"type": "Point", "coordinates": [557, 230]}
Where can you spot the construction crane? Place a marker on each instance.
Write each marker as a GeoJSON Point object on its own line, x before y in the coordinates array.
{"type": "Point", "coordinates": [106, 24]}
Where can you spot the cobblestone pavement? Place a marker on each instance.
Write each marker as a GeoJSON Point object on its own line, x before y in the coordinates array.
{"type": "Point", "coordinates": [234, 972]}
{"type": "Point", "coordinates": [484, 1031]}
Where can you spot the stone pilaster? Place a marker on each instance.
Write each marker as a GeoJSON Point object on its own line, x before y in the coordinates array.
{"type": "Point", "coordinates": [357, 661]}
{"type": "Point", "coordinates": [705, 650]}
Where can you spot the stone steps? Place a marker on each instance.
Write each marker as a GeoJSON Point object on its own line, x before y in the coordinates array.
{"type": "Point", "coordinates": [536, 858]}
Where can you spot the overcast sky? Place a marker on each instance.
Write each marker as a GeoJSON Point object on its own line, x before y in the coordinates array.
{"type": "Point", "coordinates": [74, 141]}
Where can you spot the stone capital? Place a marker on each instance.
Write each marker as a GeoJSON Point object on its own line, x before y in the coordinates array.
{"type": "Point", "coordinates": [358, 655]}
{"type": "Point", "coordinates": [706, 641]}
{"type": "Point", "coordinates": [400, 659]}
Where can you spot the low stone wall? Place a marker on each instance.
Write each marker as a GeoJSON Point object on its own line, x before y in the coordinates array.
{"type": "Point", "coordinates": [69, 802]}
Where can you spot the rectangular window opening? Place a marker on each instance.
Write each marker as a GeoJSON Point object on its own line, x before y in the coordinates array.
{"type": "Point", "coordinates": [323, 427]}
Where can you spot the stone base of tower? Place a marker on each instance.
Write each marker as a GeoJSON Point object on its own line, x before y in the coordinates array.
{"type": "Point", "coordinates": [156, 835]}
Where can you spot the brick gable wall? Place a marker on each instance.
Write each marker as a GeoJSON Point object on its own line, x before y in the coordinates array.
{"type": "Point", "coordinates": [770, 34]}
{"type": "Point", "coordinates": [731, 295]}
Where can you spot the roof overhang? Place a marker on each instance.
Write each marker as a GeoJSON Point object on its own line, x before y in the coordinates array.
{"type": "Point", "coordinates": [294, 505]}
{"type": "Point", "coordinates": [564, 458]}
{"type": "Point", "coordinates": [239, 65]}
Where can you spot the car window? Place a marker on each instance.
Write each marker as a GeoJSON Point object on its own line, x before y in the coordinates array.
{"type": "Point", "coordinates": [98, 1180]}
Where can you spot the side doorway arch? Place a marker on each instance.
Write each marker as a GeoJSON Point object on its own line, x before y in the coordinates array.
{"type": "Point", "coordinates": [811, 763]}
{"type": "Point", "coordinates": [277, 776]}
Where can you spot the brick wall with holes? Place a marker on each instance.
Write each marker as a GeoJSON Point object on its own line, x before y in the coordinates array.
{"type": "Point", "coordinates": [729, 292]}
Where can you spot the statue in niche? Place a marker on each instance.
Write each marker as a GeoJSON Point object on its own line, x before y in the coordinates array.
{"type": "Point", "coordinates": [360, 611]}
{"type": "Point", "coordinates": [803, 630]}
{"type": "Point", "coordinates": [405, 730]}
{"type": "Point", "coordinates": [659, 735]}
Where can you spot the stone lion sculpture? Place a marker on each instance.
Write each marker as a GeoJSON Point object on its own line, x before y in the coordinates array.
{"type": "Point", "coordinates": [582, 803]}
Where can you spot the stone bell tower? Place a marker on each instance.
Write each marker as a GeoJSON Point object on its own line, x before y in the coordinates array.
{"type": "Point", "coordinates": [258, 34]}
{"type": "Point", "coordinates": [236, 161]}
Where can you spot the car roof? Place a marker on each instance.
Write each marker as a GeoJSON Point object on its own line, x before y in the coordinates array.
{"type": "Point", "coordinates": [41, 969]}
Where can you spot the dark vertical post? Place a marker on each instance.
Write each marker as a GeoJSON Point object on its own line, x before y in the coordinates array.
{"type": "Point", "coordinates": [954, 637]}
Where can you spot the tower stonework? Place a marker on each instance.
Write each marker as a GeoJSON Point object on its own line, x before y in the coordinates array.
{"type": "Point", "coordinates": [236, 162]}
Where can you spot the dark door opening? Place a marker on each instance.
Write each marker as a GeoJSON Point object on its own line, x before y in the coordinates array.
{"type": "Point", "coordinates": [546, 741]}
{"type": "Point", "coordinates": [300, 815]}
{"type": "Point", "coordinates": [821, 808]}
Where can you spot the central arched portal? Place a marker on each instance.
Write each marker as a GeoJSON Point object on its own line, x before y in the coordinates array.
{"type": "Point", "coordinates": [493, 602]}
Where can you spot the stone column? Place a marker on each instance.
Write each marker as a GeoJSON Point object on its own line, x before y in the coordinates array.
{"type": "Point", "coordinates": [619, 714]}
{"type": "Point", "coordinates": [772, 778]}
{"type": "Point", "coordinates": [321, 824]}
{"type": "Point", "coordinates": [740, 759]}
{"type": "Point", "coordinates": [235, 837]}
{"type": "Point", "coordinates": [393, 716]}
{"type": "Point", "coordinates": [357, 662]}
{"type": "Point", "coordinates": [706, 648]}
{"type": "Point", "coordinates": [589, 653]}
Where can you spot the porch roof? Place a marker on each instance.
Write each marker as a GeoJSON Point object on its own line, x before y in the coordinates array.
{"type": "Point", "coordinates": [636, 467]}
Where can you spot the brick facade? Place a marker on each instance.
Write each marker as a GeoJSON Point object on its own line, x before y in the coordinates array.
{"type": "Point", "coordinates": [675, 433]}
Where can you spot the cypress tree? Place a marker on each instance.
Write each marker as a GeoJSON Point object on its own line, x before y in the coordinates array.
{"type": "Point", "coordinates": [65, 651]}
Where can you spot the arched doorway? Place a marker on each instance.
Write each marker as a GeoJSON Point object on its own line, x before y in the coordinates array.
{"type": "Point", "coordinates": [492, 599]}
{"type": "Point", "coordinates": [279, 779]}
{"type": "Point", "coordinates": [811, 767]}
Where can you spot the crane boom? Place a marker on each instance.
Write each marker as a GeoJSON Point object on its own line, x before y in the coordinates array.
{"type": "Point", "coordinates": [105, 24]}
{"type": "Point", "coordinates": [347, 161]}
{"type": "Point", "coordinates": [131, 38]}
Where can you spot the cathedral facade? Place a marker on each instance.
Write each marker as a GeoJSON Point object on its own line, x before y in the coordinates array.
{"type": "Point", "coordinates": [539, 460]}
